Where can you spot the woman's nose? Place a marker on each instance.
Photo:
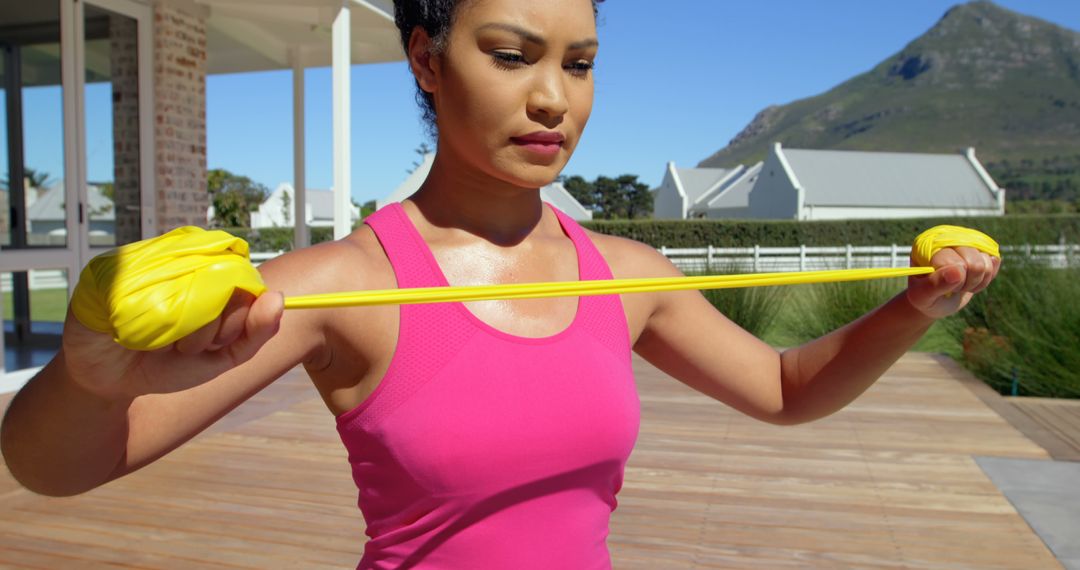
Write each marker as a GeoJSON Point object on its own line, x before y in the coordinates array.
{"type": "Point", "coordinates": [548, 94]}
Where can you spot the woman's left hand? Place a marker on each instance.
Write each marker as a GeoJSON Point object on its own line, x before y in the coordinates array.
{"type": "Point", "coordinates": [960, 272]}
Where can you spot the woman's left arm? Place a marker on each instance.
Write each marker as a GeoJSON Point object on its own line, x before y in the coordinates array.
{"type": "Point", "coordinates": [687, 338]}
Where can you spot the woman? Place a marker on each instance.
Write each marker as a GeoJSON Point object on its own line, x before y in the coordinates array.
{"type": "Point", "coordinates": [485, 434]}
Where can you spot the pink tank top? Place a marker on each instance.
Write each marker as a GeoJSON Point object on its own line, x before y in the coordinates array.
{"type": "Point", "coordinates": [481, 449]}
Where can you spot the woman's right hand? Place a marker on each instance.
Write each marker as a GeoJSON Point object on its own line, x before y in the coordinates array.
{"type": "Point", "coordinates": [103, 367]}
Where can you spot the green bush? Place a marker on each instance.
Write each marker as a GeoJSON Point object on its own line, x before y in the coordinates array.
{"type": "Point", "coordinates": [1019, 229]}
{"type": "Point", "coordinates": [277, 239]}
{"type": "Point", "coordinates": [825, 307]}
{"type": "Point", "coordinates": [755, 309]}
{"type": "Point", "coordinates": [1026, 326]}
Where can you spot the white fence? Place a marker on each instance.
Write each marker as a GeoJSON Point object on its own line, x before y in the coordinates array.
{"type": "Point", "coordinates": [39, 279]}
{"type": "Point", "coordinates": [802, 258]}
{"type": "Point", "coordinates": [725, 260]}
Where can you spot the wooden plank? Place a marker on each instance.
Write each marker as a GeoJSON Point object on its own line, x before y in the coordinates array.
{"type": "Point", "coordinates": [887, 483]}
{"type": "Point", "coordinates": [1056, 424]}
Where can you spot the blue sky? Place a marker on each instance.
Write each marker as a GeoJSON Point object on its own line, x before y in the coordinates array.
{"type": "Point", "coordinates": [672, 84]}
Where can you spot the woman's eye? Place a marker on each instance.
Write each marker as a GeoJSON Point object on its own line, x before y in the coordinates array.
{"type": "Point", "coordinates": [581, 67]}
{"type": "Point", "coordinates": [507, 59]}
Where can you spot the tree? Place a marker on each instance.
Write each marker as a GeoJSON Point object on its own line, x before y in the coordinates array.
{"type": "Point", "coordinates": [422, 151]}
{"type": "Point", "coordinates": [286, 207]}
{"type": "Point", "coordinates": [582, 190]}
{"type": "Point", "coordinates": [234, 198]}
{"type": "Point", "coordinates": [612, 198]}
{"type": "Point", "coordinates": [37, 179]}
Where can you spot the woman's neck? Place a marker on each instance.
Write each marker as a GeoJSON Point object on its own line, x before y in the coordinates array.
{"type": "Point", "coordinates": [455, 198]}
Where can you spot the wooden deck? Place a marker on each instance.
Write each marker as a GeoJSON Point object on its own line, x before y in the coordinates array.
{"type": "Point", "coordinates": [887, 483]}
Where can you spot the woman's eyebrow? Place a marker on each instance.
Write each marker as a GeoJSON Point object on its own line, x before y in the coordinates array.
{"type": "Point", "coordinates": [535, 38]}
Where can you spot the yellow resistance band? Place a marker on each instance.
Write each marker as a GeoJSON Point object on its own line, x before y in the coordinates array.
{"type": "Point", "coordinates": [585, 288]}
{"type": "Point", "coordinates": [151, 293]}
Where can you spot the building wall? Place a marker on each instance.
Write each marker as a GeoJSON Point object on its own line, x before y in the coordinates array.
{"type": "Point", "coordinates": [124, 69]}
{"type": "Point", "coordinates": [180, 117]}
{"type": "Point", "coordinates": [276, 211]}
{"type": "Point", "coordinates": [774, 195]}
{"type": "Point", "coordinates": [728, 213]}
{"type": "Point", "coordinates": [669, 204]}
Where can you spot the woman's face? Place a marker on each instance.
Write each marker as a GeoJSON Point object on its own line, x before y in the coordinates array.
{"type": "Point", "coordinates": [514, 88]}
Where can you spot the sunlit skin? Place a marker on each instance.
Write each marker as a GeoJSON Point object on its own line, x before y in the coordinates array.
{"type": "Point", "coordinates": [511, 68]}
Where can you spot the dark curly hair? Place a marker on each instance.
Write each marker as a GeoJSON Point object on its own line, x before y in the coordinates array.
{"type": "Point", "coordinates": [436, 18]}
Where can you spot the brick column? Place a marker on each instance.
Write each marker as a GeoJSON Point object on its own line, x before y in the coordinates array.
{"type": "Point", "coordinates": [180, 121]}
{"type": "Point", "coordinates": [124, 69]}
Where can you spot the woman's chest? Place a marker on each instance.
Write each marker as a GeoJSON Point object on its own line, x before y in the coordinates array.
{"type": "Point", "coordinates": [502, 413]}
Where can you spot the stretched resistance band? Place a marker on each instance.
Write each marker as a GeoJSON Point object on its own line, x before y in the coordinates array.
{"type": "Point", "coordinates": [585, 288]}
{"type": "Point", "coordinates": [151, 293]}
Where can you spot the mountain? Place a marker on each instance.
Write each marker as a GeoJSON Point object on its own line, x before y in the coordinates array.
{"type": "Point", "coordinates": [983, 76]}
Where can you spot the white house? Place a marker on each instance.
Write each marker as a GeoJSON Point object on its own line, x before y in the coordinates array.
{"type": "Point", "coordinates": [554, 193]}
{"type": "Point", "coordinates": [45, 214]}
{"type": "Point", "coordinates": [680, 192]}
{"type": "Point", "coordinates": [277, 210]}
{"type": "Point", "coordinates": [714, 193]}
{"type": "Point", "coordinates": [732, 199]}
{"type": "Point", "coordinates": [839, 184]}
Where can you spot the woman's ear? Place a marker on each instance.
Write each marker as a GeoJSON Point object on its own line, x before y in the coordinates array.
{"type": "Point", "coordinates": [421, 59]}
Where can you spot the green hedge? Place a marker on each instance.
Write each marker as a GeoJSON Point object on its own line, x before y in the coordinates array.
{"type": "Point", "coordinates": [1018, 229]}
{"type": "Point", "coordinates": [1014, 229]}
{"type": "Point", "coordinates": [277, 239]}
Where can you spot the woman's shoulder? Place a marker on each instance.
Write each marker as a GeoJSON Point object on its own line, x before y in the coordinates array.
{"type": "Point", "coordinates": [353, 263]}
{"type": "Point", "coordinates": [630, 258]}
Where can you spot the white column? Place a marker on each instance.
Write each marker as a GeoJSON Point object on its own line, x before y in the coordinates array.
{"type": "Point", "coordinates": [300, 229]}
{"type": "Point", "coordinates": [342, 149]}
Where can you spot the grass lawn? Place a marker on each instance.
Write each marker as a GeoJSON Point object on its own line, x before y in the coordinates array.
{"type": "Point", "coordinates": [45, 305]}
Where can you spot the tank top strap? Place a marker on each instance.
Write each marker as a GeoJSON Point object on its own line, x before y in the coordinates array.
{"type": "Point", "coordinates": [603, 315]}
{"type": "Point", "coordinates": [411, 266]}
{"type": "Point", "coordinates": [429, 335]}
{"type": "Point", "coordinates": [592, 265]}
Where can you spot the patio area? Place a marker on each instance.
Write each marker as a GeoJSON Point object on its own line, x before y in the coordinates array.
{"type": "Point", "coordinates": [890, 482]}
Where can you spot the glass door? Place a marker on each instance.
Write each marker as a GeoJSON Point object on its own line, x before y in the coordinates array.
{"type": "Point", "coordinates": [115, 117]}
{"type": "Point", "coordinates": [75, 155]}
{"type": "Point", "coordinates": [36, 254]}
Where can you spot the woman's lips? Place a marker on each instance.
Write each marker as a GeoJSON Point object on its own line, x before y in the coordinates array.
{"type": "Point", "coordinates": [543, 142]}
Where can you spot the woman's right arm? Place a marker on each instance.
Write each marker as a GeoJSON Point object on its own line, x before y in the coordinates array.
{"type": "Point", "coordinates": [99, 411]}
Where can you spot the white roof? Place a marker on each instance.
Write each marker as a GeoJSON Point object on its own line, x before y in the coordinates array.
{"type": "Point", "coordinates": [696, 182]}
{"type": "Point", "coordinates": [318, 203]}
{"type": "Point", "coordinates": [858, 178]}
{"type": "Point", "coordinates": [243, 35]}
{"type": "Point", "coordinates": [49, 206]}
{"type": "Point", "coordinates": [256, 35]}
{"type": "Point", "coordinates": [736, 192]}
{"type": "Point", "coordinates": [557, 195]}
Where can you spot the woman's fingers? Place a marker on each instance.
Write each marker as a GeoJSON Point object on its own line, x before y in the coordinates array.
{"type": "Point", "coordinates": [199, 340]}
{"type": "Point", "coordinates": [260, 325]}
{"type": "Point", "coordinates": [976, 267]}
{"type": "Point", "coordinates": [949, 272]}
{"type": "Point", "coordinates": [233, 318]}
{"type": "Point", "coordinates": [244, 318]}
{"type": "Point", "coordinates": [995, 263]}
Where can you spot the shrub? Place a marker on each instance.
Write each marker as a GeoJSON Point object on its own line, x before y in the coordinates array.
{"type": "Point", "coordinates": [825, 307]}
{"type": "Point", "coordinates": [753, 308]}
{"type": "Point", "coordinates": [277, 239]}
{"type": "Point", "coordinates": [1008, 230]}
{"type": "Point", "coordinates": [1027, 324]}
